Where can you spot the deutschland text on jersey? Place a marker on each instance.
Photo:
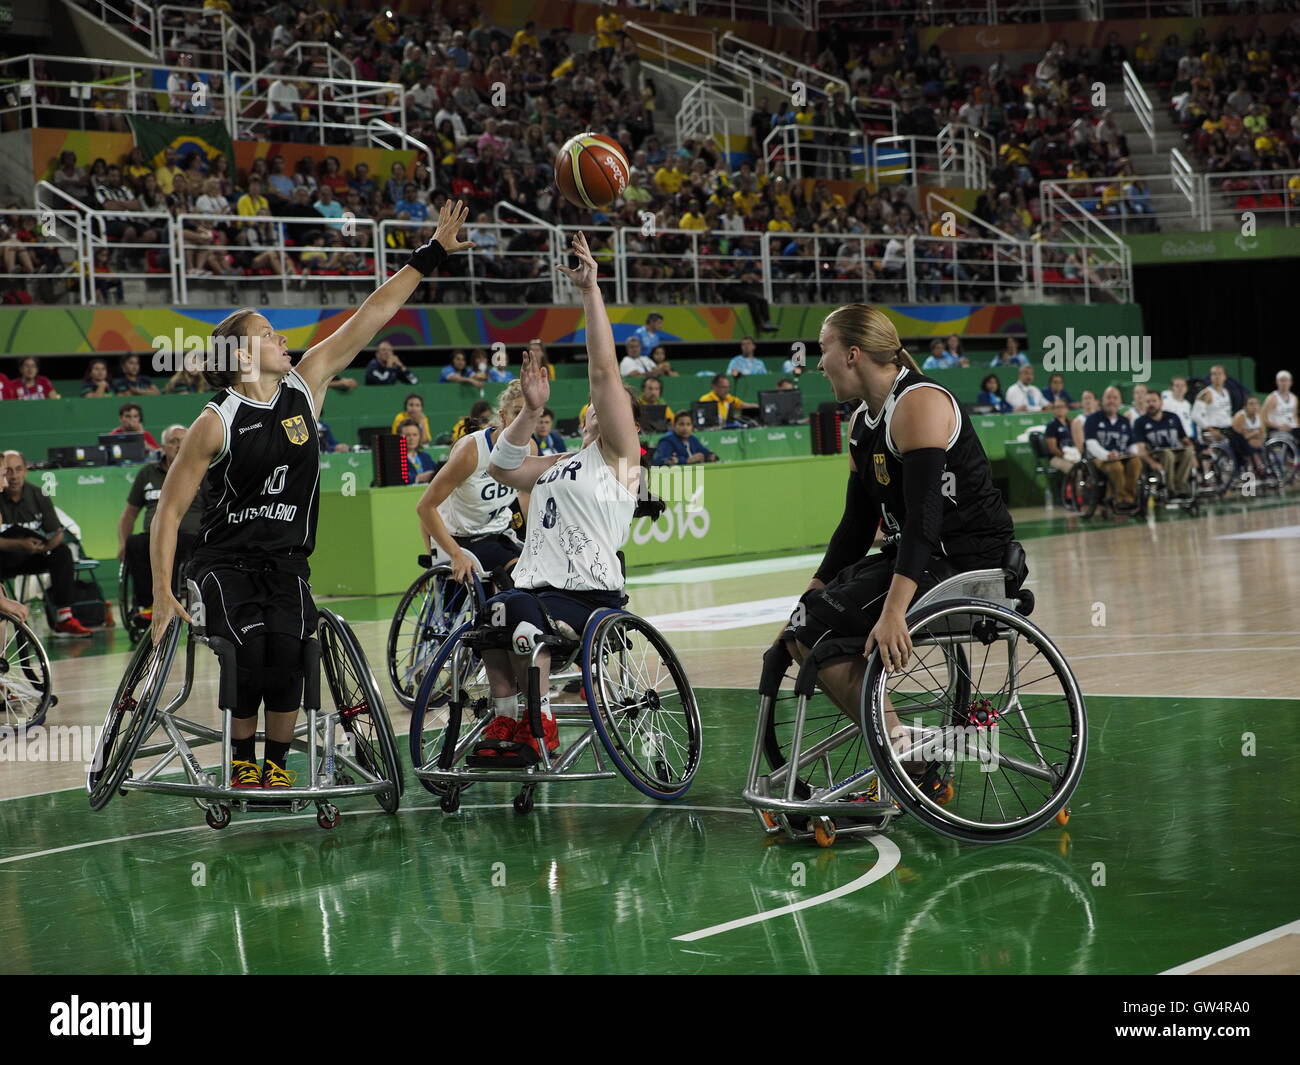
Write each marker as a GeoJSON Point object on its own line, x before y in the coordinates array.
{"type": "Point", "coordinates": [264, 483]}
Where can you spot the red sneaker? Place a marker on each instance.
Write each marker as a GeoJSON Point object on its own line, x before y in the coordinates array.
{"type": "Point", "coordinates": [524, 734]}
{"type": "Point", "coordinates": [71, 627]}
{"type": "Point", "coordinates": [499, 728]}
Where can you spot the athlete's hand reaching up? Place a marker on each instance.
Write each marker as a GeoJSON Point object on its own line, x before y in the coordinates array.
{"type": "Point", "coordinates": [534, 381]}
{"type": "Point", "coordinates": [584, 274]}
{"type": "Point", "coordinates": [165, 607]}
{"type": "Point", "coordinates": [451, 219]}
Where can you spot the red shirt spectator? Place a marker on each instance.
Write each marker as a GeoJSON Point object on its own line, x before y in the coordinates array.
{"type": "Point", "coordinates": [30, 383]}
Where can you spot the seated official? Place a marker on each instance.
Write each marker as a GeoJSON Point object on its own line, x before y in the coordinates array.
{"type": "Point", "coordinates": [130, 419]}
{"type": "Point", "coordinates": [421, 464]}
{"type": "Point", "coordinates": [1111, 446]}
{"type": "Point", "coordinates": [652, 395]}
{"type": "Point", "coordinates": [548, 439]}
{"type": "Point", "coordinates": [31, 541]}
{"type": "Point", "coordinates": [990, 395]}
{"type": "Point", "coordinates": [681, 447]}
{"type": "Point", "coordinates": [413, 409]}
{"type": "Point", "coordinates": [1163, 444]}
{"type": "Point", "coordinates": [730, 407]}
{"type": "Point", "coordinates": [146, 490]}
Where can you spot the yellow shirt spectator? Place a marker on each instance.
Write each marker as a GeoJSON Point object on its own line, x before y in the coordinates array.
{"type": "Point", "coordinates": [779, 225]}
{"type": "Point", "coordinates": [384, 29]}
{"type": "Point", "coordinates": [425, 436]}
{"type": "Point", "coordinates": [524, 39]}
{"type": "Point", "coordinates": [565, 67]}
{"type": "Point", "coordinates": [1258, 60]}
{"type": "Point", "coordinates": [166, 177]}
{"type": "Point", "coordinates": [1214, 64]}
{"type": "Point", "coordinates": [692, 221]}
{"type": "Point", "coordinates": [744, 201]}
{"type": "Point", "coordinates": [248, 206]}
{"type": "Point", "coordinates": [669, 180]}
{"type": "Point", "coordinates": [607, 27]}
{"type": "Point", "coordinates": [804, 118]}
{"type": "Point", "coordinates": [785, 203]}
{"type": "Point", "coordinates": [725, 406]}
{"type": "Point", "coordinates": [1294, 185]}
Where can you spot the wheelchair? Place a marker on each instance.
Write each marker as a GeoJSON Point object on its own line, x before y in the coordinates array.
{"type": "Point", "coordinates": [1086, 489]}
{"type": "Point", "coordinates": [638, 703]}
{"type": "Point", "coordinates": [26, 684]}
{"type": "Point", "coordinates": [1153, 492]}
{"type": "Point", "coordinates": [135, 625]}
{"type": "Point", "coordinates": [1282, 457]}
{"type": "Point", "coordinates": [350, 747]}
{"type": "Point", "coordinates": [987, 703]}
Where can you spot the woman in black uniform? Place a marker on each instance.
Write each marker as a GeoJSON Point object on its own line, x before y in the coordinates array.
{"type": "Point", "coordinates": [255, 441]}
{"type": "Point", "coordinates": [916, 468]}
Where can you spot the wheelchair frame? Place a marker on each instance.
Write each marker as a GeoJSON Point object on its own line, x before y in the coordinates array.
{"type": "Point", "coordinates": [444, 773]}
{"type": "Point", "coordinates": [773, 793]}
{"type": "Point", "coordinates": [211, 790]}
{"type": "Point", "coordinates": [14, 632]}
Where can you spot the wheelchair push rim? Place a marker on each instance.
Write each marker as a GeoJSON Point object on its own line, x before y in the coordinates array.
{"type": "Point", "coordinates": [1015, 760]}
{"type": "Point", "coordinates": [360, 707]}
{"type": "Point", "coordinates": [424, 619]}
{"type": "Point", "coordinates": [432, 702]}
{"type": "Point", "coordinates": [131, 717]}
{"type": "Point", "coordinates": [26, 689]}
{"type": "Point", "coordinates": [642, 704]}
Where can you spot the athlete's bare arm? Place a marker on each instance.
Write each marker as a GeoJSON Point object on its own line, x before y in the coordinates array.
{"type": "Point", "coordinates": [333, 354]}
{"type": "Point", "coordinates": [535, 384]}
{"type": "Point", "coordinates": [181, 485]}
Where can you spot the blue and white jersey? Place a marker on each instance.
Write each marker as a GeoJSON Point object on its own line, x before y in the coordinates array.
{"type": "Point", "coordinates": [579, 515]}
{"type": "Point", "coordinates": [478, 506]}
{"type": "Point", "coordinates": [1102, 436]}
{"type": "Point", "coordinates": [1169, 431]}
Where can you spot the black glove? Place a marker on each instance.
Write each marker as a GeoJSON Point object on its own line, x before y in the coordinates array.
{"type": "Point", "coordinates": [428, 257]}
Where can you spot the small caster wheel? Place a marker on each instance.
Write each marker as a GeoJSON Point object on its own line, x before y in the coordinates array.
{"type": "Point", "coordinates": [769, 821]}
{"type": "Point", "coordinates": [450, 802]}
{"type": "Point", "coordinates": [945, 797]}
{"type": "Point", "coordinates": [824, 831]}
{"type": "Point", "coordinates": [217, 817]}
{"type": "Point", "coordinates": [328, 816]}
{"type": "Point", "coordinates": [1063, 816]}
{"type": "Point", "coordinates": [523, 802]}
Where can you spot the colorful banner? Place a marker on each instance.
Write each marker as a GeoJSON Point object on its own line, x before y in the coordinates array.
{"type": "Point", "coordinates": [380, 160]}
{"type": "Point", "coordinates": [112, 330]}
{"type": "Point", "coordinates": [209, 139]}
{"type": "Point", "coordinates": [86, 145]}
{"type": "Point", "coordinates": [1218, 245]}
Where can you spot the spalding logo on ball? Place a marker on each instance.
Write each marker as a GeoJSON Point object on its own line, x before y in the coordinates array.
{"type": "Point", "coordinates": [591, 170]}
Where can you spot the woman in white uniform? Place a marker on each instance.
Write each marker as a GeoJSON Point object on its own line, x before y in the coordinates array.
{"type": "Point", "coordinates": [467, 513]}
{"type": "Point", "coordinates": [579, 515]}
{"type": "Point", "coordinates": [1280, 408]}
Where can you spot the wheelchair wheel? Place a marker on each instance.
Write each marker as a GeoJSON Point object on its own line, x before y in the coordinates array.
{"type": "Point", "coordinates": [125, 612]}
{"type": "Point", "coordinates": [1015, 758]}
{"type": "Point", "coordinates": [431, 716]}
{"type": "Point", "coordinates": [1282, 459]}
{"type": "Point", "coordinates": [26, 688]}
{"type": "Point", "coordinates": [1085, 489]}
{"type": "Point", "coordinates": [433, 606]}
{"type": "Point", "coordinates": [361, 708]}
{"type": "Point", "coordinates": [1218, 470]}
{"type": "Point", "coordinates": [131, 717]}
{"type": "Point", "coordinates": [642, 704]}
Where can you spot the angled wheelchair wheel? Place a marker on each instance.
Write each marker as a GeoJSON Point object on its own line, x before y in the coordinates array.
{"type": "Point", "coordinates": [1217, 467]}
{"type": "Point", "coordinates": [1282, 459]}
{"type": "Point", "coordinates": [1003, 761]}
{"type": "Point", "coordinates": [360, 707]}
{"type": "Point", "coordinates": [642, 704]}
{"type": "Point", "coordinates": [432, 607]}
{"type": "Point", "coordinates": [456, 670]}
{"type": "Point", "coordinates": [26, 686]}
{"type": "Point", "coordinates": [135, 627]}
{"type": "Point", "coordinates": [131, 717]}
{"type": "Point", "coordinates": [1086, 491]}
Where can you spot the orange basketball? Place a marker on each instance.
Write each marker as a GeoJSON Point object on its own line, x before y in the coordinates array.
{"type": "Point", "coordinates": [591, 170]}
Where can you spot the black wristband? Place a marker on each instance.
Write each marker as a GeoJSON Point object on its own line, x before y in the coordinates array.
{"type": "Point", "coordinates": [428, 258]}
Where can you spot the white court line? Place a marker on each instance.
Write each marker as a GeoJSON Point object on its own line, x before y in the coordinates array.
{"type": "Point", "coordinates": [885, 864]}
{"type": "Point", "coordinates": [1231, 952]}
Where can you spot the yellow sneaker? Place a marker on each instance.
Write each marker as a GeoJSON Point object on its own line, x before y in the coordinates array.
{"type": "Point", "coordinates": [274, 776]}
{"type": "Point", "coordinates": [245, 774]}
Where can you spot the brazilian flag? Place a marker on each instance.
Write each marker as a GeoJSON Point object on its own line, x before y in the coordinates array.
{"type": "Point", "coordinates": [210, 139]}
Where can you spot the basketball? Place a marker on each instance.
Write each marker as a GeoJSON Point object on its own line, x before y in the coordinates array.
{"type": "Point", "coordinates": [591, 170]}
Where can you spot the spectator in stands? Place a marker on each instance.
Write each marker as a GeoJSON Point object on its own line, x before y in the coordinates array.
{"type": "Point", "coordinates": [539, 349]}
{"type": "Point", "coordinates": [786, 385]}
{"type": "Point", "coordinates": [1112, 446]}
{"type": "Point", "coordinates": [652, 394]}
{"type": "Point", "coordinates": [167, 171]}
{"type": "Point", "coordinates": [941, 358]}
{"type": "Point", "coordinates": [730, 407]}
{"type": "Point", "coordinates": [990, 395]}
{"type": "Point", "coordinates": [70, 178]}
{"type": "Point", "coordinates": [130, 419]}
{"type": "Point", "coordinates": [328, 207]}
{"type": "Point", "coordinates": [387, 369]}
{"type": "Point", "coordinates": [421, 464]}
{"type": "Point", "coordinates": [279, 185]}
{"type": "Point", "coordinates": [1024, 395]}
{"type": "Point", "coordinates": [663, 368]}
{"type": "Point", "coordinates": [1164, 446]}
{"type": "Point", "coordinates": [480, 414]}
{"type": "Point", "coordinates": [1010, 355]}
{"type": "Point", "coordinates": [548, 440]}
{"type": "Point", "coordinates": [112, 195]}
{"type": "Point", "coordinates": [146, 489]}
{"type": "Point", "coordinates": [31, 541]}
{"type": "Point", "coordinates": [95, 382]}
{"type": "Point", "coordinates": [185, 382]}
{"type": "Point", "coordinates": [108, 289]}
{"type": "Point", "coordinates": [649, 334]}
{"type": "Point", "coordinates": [1062, 454]}
{"type": "Point", "coordinates": [30, 383]}
{"type": "Point", "coordinates": [457, 372]}
{"type": "Point", "coordinates": [747, 363]}
{"type": "Point", "coordinates": [413, 410]}
{"type": "Point", "coordinates": [1056, 390]}
{"type": "Point", "coordinates": [682, 446]}
{"type": "Point", "coordinates": [411, 206]}
{"type": "Point", "coordinates": [635, 363]}
{"type": "Point", "coordinates": [282, 102]}
{"type": "Point", "coordinates": [131, 382]}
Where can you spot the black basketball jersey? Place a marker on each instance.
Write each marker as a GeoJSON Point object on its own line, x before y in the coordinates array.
{"type": "Point", "coordinates": [264, 483]}
{"type": "Point", "coordinates": [976, 522]}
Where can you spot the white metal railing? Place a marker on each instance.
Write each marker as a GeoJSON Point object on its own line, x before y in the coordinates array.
{"type": "Point", "coordinates": [816, 152]}
{"type": "Point", "coordinates": [330, 105]}
{"type": "Point", "coordinates": [214, 39]}
{"type": "Point", "coordinates": [135, 21]}
{"type": "Point", "coordinates": [701, 117]}
{"type": "Point", "coordinates": [966, 154]}
{"type": "Point", "coordinates": [677, 57]}
{"type": "Point", "coordinates": [1185, 182]}
{"type": "Point", "coordinates": [1130, 203]}
{"type": "Point", "coordinates": [55, 255]}
{"type": "Point", "coordinates": [873, 111]}
{"type": "Point", "coordinates": [888, 13]}
{"type": "Point", "coordinates": [1271, 195]}
{"type": "Point", "coordinates": [1102, 259]}
{"type": "Point", "coordinates": [775, 69]}
{"type": "Point", "coordinates": [1139, 102]}
{"type": "Point", "coordinates": [328, 60]}
{"type": "Point", "coordinates": [385, 135]}
{"type": "Point", "coordinates": [958, 154]}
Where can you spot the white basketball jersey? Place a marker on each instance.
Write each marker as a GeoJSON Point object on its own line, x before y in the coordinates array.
{"type": "Point", "coordinates": [478, 506]}
{"type": "Point", "coordinates": [1218, 415]}
{"type": "Point", "coordinates": [579, 515]}
{"type": "Point", "coordinates": [1284, 410]}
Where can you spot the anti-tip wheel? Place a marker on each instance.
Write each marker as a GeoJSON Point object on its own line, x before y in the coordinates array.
{"type": "Point", "coordinates": [328, 816]}
{"type": "Point", "coordinates": [824, 831]}
{"type": "Point", "coordinates": [217, 817]}
{"type": "Point", "coordinates": [1063, 816]}
{"type": "Point", "coordinates": [523, 802]}
{"type": "Point", "coordinates": [450, 801]}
